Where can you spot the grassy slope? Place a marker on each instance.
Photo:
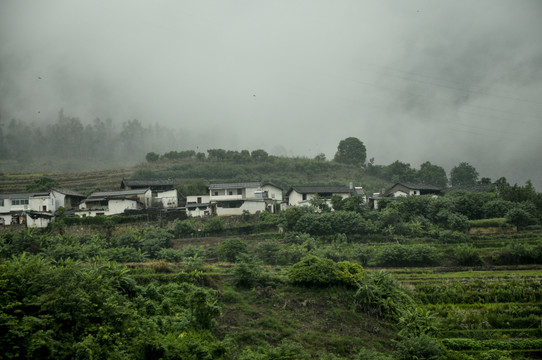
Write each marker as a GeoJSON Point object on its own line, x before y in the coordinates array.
{"type": "Point", "coordinates": [471, 304]}
{"type": "Point", "coordinates": [283, 172]}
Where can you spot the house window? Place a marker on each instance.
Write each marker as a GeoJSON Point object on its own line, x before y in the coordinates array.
{"type": "Point", "coordinates": [230, 192]}
{"type": "Point", "coordinates": [239, 191]}
{"type": "Point", "coordinates": [304, 196]}
{"type": "Point", "coordinates": [199, 200]}
{"type": "Point", "coordinates": [216, 193]}
{"type": "Point", "coordinates": [44, 207]}
{"type": "Point", "coordinates": [19, 202]}
{"type": "Point", "coordinates": [2, 202]}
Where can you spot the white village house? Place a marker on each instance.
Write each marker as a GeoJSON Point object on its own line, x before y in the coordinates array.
{"type": "Point", "coordinates": [406, 189]}
{"type": "Point", "coordinates": [302, 195]}
{"type": "Point", "coordinates": [36, 209]}
{"type": "Point", "coordinates": [164, 194]}
{"type": "Point", "coordinates": [115, 202]}
{"type": "Point", "coordinates": [198, 205]}
{"type": "Point", "coordinates": [235, 198]}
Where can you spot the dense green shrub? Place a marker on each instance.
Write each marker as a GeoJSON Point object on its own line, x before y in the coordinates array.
{"type": "Point", "coordinates": [71, 310]}
{"type": "Point", "coordinates": [290, 254]}
{"type": "Point", "coordinates": [496, 208]}
{"type": "Point", "coordinates": [329, 223]}
{"type": "Point", "coordinates": [214, 225]}
{"type": "Point", "coordinates": [484, 223]}
{"type": "Point", "coordinates": [518, 253]}
{"type": "Point", "coordinates": [379, 294]}
{"type": "Point", "coordinates": [126, 254]}
{"type": "Point", "coordinates": [407, 255]}
{"type": "Point", "coordinates": [467, 255]}
{"type": "Point", "coordinates": [419, 348]}
{"type": "Point", "coordinates": [247, 273]}
{"type": "Point", "coordinates": [184, 227]}
{"type": "Point", "coordinates": [349, 273]}
{"type": "Point", "coordinates": [170, 255]}
{"type": "Point", "coordinates": [519, 217]}
{"type": "Point", "coordinates": [230, 249]}
{"type": "Point", "coordinates": [315, 271]}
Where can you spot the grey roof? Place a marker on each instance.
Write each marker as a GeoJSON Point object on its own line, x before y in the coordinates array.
{"type": "Point", "coordinates": [471, 188]}
{"type": "Point", "coordinates": [118, 193]}
{"type": "Point", "coordinates": [21, 195]}
{"type": "Point", "coordinates": [414, 186]}
{"type": "Point", "coordinates": [69, 192]}
{"type": "Point", "coordinates": [194, 205]}
{"type": "Point", "coordinates": [236, 185]}
{"type": "Point", "coordinates": [335, 189]}
{"type": "Point", "coordinates": [160, 182]}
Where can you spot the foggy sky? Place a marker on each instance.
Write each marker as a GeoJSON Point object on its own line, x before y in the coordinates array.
{"type": "Point", "coordinates": [416, 81]}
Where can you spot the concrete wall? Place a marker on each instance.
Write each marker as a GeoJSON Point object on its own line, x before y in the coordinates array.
{"type": "Point", "coordinates": [274, 193]}
{"type": "Point", "coordinates": [168, 199]}
{"type": "Point", "coordinates": [295, 198]}
{"type": "Point", "coordinates": [197, 212]}
{"type": "Point", "coordinates": [8, 206]}
{"type": "Point", "coordinates": [40, 222]}
{"type": "Point", "coordinates": [41, 203]}
{"type": "Point", "coordinates": [5, 219]}
{"type": "Point", "coordinates": [193, 199]}
{"type": "Point", "coordinates": [251, 206]}
{"type": "Point", "coordinates": [118, 206]}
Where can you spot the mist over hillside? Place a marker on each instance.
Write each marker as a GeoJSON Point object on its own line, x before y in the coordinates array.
{"type": "Point", "coordinates": [419, 81]}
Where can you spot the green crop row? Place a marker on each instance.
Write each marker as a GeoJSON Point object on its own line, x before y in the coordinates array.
{"type": "Point", "coordinates": [480, 291]}
{"type": "Point", "coordinates": [471, 344]}
{"type": "Point", "coordinates": [487, 334]}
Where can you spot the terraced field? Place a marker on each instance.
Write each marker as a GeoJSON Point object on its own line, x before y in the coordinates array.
{"type": "Point", "coordinates": [80, 181]}
{"type": "Point", "coordinates": [497, 309]}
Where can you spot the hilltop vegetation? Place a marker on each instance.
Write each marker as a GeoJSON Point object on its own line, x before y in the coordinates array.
{"type": "Point", "coordinates": [405, 282]}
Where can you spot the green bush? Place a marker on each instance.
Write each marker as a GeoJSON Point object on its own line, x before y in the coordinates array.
{"type": "Point", "coordinates": [349, 273]}
{"type": "Point", "coordinates": [519, 217]}
{"type": "Point", "coordinates": [418, 348]}
{"type": "Point", "coordinates": [380, 294]}
{"type": "Point", "coordinates": [407, 255]}
{"type": "Point", "coordinates": [330, 223]}
{"type": "Point", "coordinates": [230, 249]}
{"type": "Point", "coordinates": [184, 227]}
{"type": "Point", "coordinates": [467, 255]}
{"type": "Point", "coordinates": [484, 223]}
{"type": "Point", "coordinates": [314, 271]}
{"type": "Point", "coordinates": [247, 274]}
{"type": "Point", "coordinates": [518, 254]}
{"type": "Point", "coordinates": [214, 225]}
{"type": "Point", "coordinates": [170, 255]}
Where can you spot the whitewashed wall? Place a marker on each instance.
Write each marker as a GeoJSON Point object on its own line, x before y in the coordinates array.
{"type": "Point", "coordinates": [251, 206]}
{"type": "Point", "coordinates": [273, 192]}
{"type": "Point", "coordinates": [168, 199]}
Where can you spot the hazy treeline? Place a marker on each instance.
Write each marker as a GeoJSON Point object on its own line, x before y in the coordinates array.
{"type": "Point", "coordinates": [69, 138]}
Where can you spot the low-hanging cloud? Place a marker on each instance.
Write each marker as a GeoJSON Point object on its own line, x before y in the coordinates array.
{"type": "Point", "coordinates": [420, 80]}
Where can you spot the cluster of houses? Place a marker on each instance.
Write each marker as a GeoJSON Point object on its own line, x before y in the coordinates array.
{"type": "Point", "coordinates": [222, 199]}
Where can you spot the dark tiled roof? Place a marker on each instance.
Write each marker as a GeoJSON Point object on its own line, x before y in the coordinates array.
{"type": "Point", "coordinates": [69, 192]}
{"type": "Point", "coordinates": [237, 185]}
{"type": "Point", "coordinates": [471, 188]}
{"type": "Point", "coordinates": [147, 183]}
{"type": "Point", "coordinates": [21, 195]}
{"type": "Point", "coordinates": [336, 189]}
{"type": "Point", "coordinates": [414, 186]}
{"type": "Point", "coordinates": [203, 205]}
{"type": "Point", "coordinates": [121, 193]}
